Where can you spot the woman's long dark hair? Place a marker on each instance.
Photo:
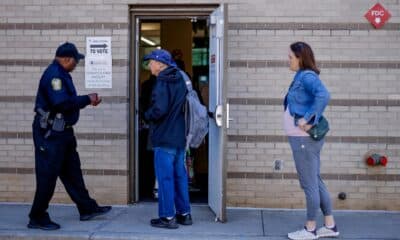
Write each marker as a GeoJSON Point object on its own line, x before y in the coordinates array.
{"type": "Point", "coordinates": [305, 55]}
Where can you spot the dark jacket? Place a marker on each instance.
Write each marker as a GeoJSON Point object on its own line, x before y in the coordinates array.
{"type": "Point", "coordinates": [57, 94]}
{"type": "Point", "coordinates": [166, 111]}
{"type": "Point", "coordinates": [145, 93]}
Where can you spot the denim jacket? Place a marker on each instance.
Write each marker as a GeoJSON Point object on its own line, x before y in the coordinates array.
{"type": "Point", "coordinates": [307, 97]}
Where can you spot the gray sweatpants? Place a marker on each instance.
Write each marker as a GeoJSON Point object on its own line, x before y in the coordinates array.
{"type": "Point", "coordinates": [306, 155]}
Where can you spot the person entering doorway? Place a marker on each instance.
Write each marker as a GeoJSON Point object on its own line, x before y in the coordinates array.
{"type": "Point", "coordinates": [190, 54]}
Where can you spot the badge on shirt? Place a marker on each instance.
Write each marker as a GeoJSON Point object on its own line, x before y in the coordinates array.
{"type": "Point", "coordinates": [56, 84]}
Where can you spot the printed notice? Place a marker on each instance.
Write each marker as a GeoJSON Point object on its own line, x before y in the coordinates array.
{"type": "Point", "coordinates": [98, 62]}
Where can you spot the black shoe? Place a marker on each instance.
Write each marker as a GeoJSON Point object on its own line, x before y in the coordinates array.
{"type": "Point", "coordinates": [164, 223]}
{"type": "Point", "coordinates": [97, 212]}
{"type": "Point", "coordinates": [184, 219]}
{"type": "Point", "coordinates": [43, 224]}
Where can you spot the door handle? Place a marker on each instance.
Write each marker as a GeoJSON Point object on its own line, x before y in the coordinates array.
{"type": "Point", "coordinates": [218, 115]}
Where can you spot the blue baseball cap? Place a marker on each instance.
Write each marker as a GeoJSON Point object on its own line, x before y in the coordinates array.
{"type": "Point", "coordinates": [69, 50]}
{"type": "Point", "coordinates": [160, 55]}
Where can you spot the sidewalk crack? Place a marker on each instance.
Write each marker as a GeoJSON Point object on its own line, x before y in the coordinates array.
{"type": "Point", "coordinates": [102, 225]}
{"type": "Point", "coordinates": [262, 222]}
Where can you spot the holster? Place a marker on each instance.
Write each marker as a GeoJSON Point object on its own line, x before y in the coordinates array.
{"type": "Point", "coordinates": [44, 118]}
{"type": "Point", "coordinates": [57, 124]}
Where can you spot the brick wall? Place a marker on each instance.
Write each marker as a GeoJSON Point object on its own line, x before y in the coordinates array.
{"type": "Point", "coordinates": [360, 66]}
{"type": "Point", "coordinates": [30, 31]}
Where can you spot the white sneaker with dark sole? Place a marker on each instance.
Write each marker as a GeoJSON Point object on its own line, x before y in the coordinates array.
{"type": "Point", "coordinates": [327, 232]}
{"type": "Point", "coordinates": [303, 235]}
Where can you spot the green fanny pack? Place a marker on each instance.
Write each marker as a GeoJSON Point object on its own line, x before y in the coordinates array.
{"type": "Point", "coordinates": [319, 130]}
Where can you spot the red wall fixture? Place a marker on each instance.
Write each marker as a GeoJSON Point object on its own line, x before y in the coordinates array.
{"type": "Point", "coordinates": [376, 159]}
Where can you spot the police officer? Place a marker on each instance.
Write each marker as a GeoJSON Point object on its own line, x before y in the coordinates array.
{"type": "Point", "coordinates": [57, 110]}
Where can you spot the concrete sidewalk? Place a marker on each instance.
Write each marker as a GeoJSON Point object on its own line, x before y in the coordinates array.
{"type": "Point", "coordinates": [132, 222]}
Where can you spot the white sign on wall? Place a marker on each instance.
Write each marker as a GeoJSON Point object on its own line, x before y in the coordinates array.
{"type": "Point", "coordinates": [98, 62]}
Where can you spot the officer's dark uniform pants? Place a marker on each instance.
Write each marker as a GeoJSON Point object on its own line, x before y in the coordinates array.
{"type": "Point", "coordinates": [55, 157]}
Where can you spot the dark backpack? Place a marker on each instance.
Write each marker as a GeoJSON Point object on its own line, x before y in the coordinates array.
{"type": "Point", "coordinates": [196, 116]}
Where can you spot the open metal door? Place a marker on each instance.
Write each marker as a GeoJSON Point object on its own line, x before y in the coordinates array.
{"type": "Point", "coordinates": [218, 105]}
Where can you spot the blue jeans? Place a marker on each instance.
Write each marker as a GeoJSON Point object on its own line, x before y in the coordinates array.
{"type": "Point", "coordinates": [173, 194]}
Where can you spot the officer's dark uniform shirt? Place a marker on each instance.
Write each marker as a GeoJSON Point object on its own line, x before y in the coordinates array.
{"type": "Point", "coordinates": [57, 94]}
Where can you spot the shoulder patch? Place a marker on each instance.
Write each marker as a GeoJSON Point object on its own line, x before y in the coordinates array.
{"type": "Point", "coordinates": [56, 84]}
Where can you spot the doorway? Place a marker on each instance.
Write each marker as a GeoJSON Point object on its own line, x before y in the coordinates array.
{"type": "Point", "coordinates": [187, 41]}
{"type": "Point", "coordinates": [195, 35]}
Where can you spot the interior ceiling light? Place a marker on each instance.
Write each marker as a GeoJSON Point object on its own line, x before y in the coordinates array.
{"type": "Point", "coordinates": [148, 41]}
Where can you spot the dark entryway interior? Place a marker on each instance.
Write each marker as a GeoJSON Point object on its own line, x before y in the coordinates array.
{"type": "Point", "coordinates": [188, 41]}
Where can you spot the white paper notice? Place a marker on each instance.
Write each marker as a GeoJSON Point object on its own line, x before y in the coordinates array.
{"type": "Point", "coordinates": [98, 62]}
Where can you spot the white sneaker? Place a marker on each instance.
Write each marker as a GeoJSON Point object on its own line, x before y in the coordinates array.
{"type": "Point", "coordinates": [327, 232]}
{"type": "Point", "coordinates": [303, 235]}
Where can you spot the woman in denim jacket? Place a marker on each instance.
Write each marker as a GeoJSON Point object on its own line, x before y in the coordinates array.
{"type": "Point", "coordinates": [304, 104]}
